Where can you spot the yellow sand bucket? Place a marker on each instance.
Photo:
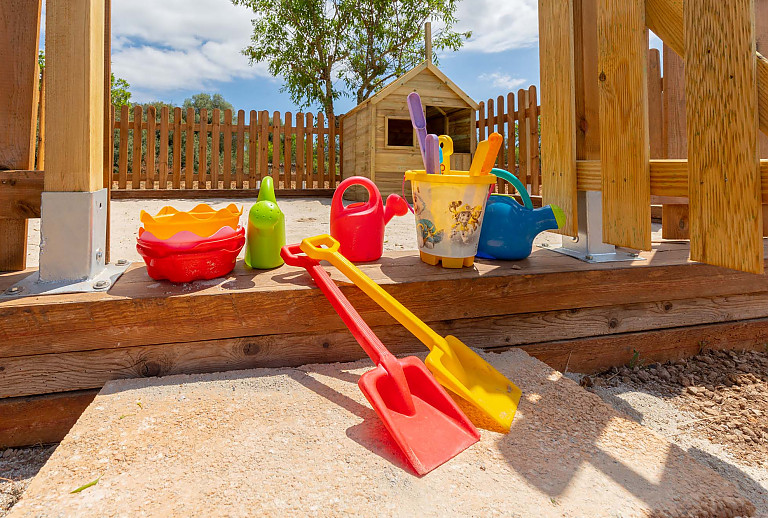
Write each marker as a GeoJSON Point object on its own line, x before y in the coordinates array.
{"type": "Point", "coordinates": [449, 213]}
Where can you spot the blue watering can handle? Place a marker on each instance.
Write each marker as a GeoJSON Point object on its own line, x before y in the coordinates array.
{"type": "Point", "coordinates": [517, 184]}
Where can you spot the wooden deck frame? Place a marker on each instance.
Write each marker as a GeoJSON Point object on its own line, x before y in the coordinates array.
{"type": "Point", "coordinates": [573, 315]}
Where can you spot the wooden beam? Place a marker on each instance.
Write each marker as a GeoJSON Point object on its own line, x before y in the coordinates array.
{"type": "Point", "coordinates": [761, 41]}
{"type": "Point", "coordinates": [721, 108]}
{"type": "Point", "coordinates": [75, 89]}
{"type": "Point", "coordinates": [668, 177]}
{"type": "Point", "coordinates": [656, 106]}
{"type": "Point", "coordinates": [665, 19]}
{"type": "Point", "coordinates": [19, 72]}
{"type": "Point", "coordinates": [141, 194]}
{"type": "Point", "coordinates": [674, 105]}
{"type": "Point", "coordinates": [57, 372]}
{"type": "Point", "coordinates": [597, 354]}
{"type": "Point", "coordinates": [20, 194]}
{"type": "Point", "coordinates": [624, 138]}
{"type": "Point", "coordinates": [586, 73]}
{"type": "Point", "coordinates": [41, 419]}
{"type": "Point", "coordinates": [558, 109]}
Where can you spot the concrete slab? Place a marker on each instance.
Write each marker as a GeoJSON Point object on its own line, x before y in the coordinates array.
{"type": "Point", "coordinates": [280, 442]}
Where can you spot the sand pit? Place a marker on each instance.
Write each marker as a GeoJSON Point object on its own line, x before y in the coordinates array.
{"type": "Point", "coordinates": [282, 442]}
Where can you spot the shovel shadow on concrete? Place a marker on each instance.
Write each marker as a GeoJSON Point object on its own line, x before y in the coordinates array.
{"type": "Point", "coordinates": [561, 428]}
{"type": "Point", "coordinates": [370, 433]}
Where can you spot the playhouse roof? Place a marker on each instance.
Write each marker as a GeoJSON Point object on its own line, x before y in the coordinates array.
{"type": "Point", "coordinates": [405, 78]}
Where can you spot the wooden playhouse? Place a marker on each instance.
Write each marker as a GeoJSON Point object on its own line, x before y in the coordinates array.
{"type": "Point", "coordinates": [378, 139]}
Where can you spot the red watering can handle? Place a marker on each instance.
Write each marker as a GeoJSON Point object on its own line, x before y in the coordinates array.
{"type": "Point", "coordinates": [374, 197]}
{"type": "Point", "coordinates": [360, 330]}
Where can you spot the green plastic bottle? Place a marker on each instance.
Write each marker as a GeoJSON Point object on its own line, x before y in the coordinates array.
{"type": "Point", "coordinates": [266, 230]}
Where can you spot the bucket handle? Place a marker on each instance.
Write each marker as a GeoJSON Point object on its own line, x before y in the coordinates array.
{"type": "Point", "coordinates": [516, 183]}
{"type": "Point", "coordinates": [374, 197]}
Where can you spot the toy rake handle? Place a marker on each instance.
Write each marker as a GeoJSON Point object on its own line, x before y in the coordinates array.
{"type": "Point", "coordinates": [351, 318]}
{"type": "Point", "coordinates": [311, 247]}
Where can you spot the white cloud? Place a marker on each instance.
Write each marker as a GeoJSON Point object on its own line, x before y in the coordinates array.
{"type": "Point", "coordinates": [504, 81]}
{"type": "Point", "coordinates": [180, 44]}
{"type": "Point", "coordinates": [499, 25]}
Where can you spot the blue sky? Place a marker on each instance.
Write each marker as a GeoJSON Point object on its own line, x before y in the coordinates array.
{"type": "Point", "coordinates": [170, 49]}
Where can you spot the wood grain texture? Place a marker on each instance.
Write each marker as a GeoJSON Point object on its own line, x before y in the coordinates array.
{"type": "Point", "coordinates": [189, 158]}
{"type": "Point", "coordinates": [591, 355]}
{"type": "Point", "coordinates": [586, 74]}
{"type": "Point", "coordinates": [665, 19]}
{"type": "Point", "coordinates": [19, 39]}
{"type": "Point", "coordinates": [163, 151]}
{"type": "Point", "coordinates": [655, 106]}
{"type": "Point", "coordinates": [300, 150]}
{"type": "Point", "coordinates": [668, 177]}
{"type": "Point", "coordinates": [208, 194]}
{"type": "Point", "coordinates": [287, 156]}
{"type": "Point", "coordinates": [13, 244]}
{"type": "Point", "coordinates": [320, 151]}
{"type": "Point", "coordinates": [761, 41]}
{"type": "Point", "coordinates": [41, 419]}
{"type": "Point", "coordinates": [136, 156]}
{"type": "Point", "coordinates": [534, 160]}
{"type": "Point", "coordinates": [20, 193]}
{"type": "Point", "coordinates": [74, 37]}
{"type": "Point", "coordinates": [46, 373]}
{"type": "Point", "coordinates": [137, 310]}
{"type": "Point", "coordinates": [202, 152]}
{"type": "Point", "coordinates": [122, 153]}
{"type": "Point", "coordinates": [558, 109]}
{"type": "Point", "coordinates": [721, 108]}
{"type": "Point", "coordinates": [674, 221]}
{"type": "Point", "coordinates": [276, 148]}
{"type": "Point", "coordinates": [624, 141]}
{"type": "Point", "coordinates": [674, 105]}
{"type": "Point", "coordinates": [149, 159]}
{"type": "Point", "coordinates": [240, 153]}
{"type": "Point", "coordinates": [227, 166]}
{"type": "Point", "coordinates": [215, 147]}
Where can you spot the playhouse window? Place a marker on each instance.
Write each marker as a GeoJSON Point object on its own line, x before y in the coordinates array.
{"type": "Point", "coordinates": [399, 132]}
{"type": "Point", "coordinates": [454, 122]}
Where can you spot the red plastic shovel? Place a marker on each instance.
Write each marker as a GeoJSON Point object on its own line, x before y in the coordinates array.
{"type": "Point", "coordinates": [422, 418]}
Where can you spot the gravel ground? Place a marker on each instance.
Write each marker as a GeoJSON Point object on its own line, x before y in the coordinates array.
{"type": "Point", "coordinates": [714, 405]}
{"type": "Point", "coordinates": [17, 468]}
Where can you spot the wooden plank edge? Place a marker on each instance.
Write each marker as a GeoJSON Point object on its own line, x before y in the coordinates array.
{"type": "Point", "coordinates": [597, 354]}
{"type": "Point", "coordinates": [53, 372]}
{"type": "Point", "coordinates": [137, 194]}
{"type": "Point", "coordinates": [41, 419]}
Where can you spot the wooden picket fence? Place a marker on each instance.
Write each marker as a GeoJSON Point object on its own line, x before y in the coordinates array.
{"type": "Point", "coordinates": [518, 123]}
{"type": "Point", "coordinates": [185, 150]}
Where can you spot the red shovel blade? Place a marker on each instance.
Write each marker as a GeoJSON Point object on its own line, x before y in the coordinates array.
{"type": "Point", "coordinates": [436, 432]}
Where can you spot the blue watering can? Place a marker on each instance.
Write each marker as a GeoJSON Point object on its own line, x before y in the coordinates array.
{"type": "Point", "coordinates": [509, 228]}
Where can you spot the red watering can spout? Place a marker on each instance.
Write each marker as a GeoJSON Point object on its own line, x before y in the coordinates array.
{"type": "Point", "coordinates": [396, 206]}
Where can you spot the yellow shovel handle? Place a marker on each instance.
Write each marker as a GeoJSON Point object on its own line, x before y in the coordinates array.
{"type": "Point", "coordinates": [312, 247]}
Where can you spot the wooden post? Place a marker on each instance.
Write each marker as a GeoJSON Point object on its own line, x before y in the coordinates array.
{"type": "Point", "coordinates": [19, 35]}
{"type": "Point", "coordinates": [558, 109]}
{"type": "Point", "coordinates": [674, 217]}
{"type": "Point", "coordinates": [624, 147]}
{"type": "Point", "coordinates": [73, 226]}
{"type": "Point", "coordinates": [721, 108]}
{"type": "Point", "coordinates": [655, 105]}
{"type": "Point", "coordinates": [75, 105]}
{"type": "Point", "coordinates": [761, 40]}
{"type": "Point", "coordinates": [428, 42]}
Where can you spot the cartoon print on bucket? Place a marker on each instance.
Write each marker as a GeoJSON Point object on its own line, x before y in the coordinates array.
{"type": "Point", "coordinates": [466, 221]}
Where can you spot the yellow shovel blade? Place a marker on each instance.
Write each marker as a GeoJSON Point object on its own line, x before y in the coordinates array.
{"type": "Point", "coordinates": [461, 370]}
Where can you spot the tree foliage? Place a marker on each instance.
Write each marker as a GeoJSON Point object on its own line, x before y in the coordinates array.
{"type": "Point", "coordinates": [324, 49]}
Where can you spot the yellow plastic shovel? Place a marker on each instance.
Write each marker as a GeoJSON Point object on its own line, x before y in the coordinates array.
{"type": "Point", "coordinates": [454, 365]}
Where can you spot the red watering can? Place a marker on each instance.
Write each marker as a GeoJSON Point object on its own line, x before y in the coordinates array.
{"type": "Point", "coordinates": [359, 227]}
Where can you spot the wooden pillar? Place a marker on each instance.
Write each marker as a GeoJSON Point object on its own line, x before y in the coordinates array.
{"type": "Point", "coordinates": [722, 121]}
{"type": "Point", "coordinates": [19, 36]}
{"type": "Point", "coordinates": [109, 134]}
{"type": "Point", "coordinates": [586, 78]}
{"type": "Point", "coordinates": [75, 89]}
{"type": "Point", "coordinates": [558, 109]}
{"type": "Point", "coordinates": [73, 226]}
{"type": "Point", "coordinates": [624, 137]}
{"type": "Point", "coordinates": [761, 39]}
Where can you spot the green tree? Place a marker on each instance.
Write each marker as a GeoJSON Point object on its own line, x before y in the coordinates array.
{"type": "Point", "coordinates": [207, 101]}
{"type": "Point", "coordinates": [121, 95]}
{"type": "Point", "coordinates": [328, 48]}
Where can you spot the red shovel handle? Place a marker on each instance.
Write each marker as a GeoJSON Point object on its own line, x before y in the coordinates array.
{"type": "Point", "coordinates": [360, 330]}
